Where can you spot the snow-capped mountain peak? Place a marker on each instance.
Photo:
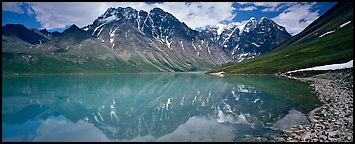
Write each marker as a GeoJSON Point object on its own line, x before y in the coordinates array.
{"type": "Point", "coordinates": [250, 25]}
{"type": "Point", "coordinates": [263, 18]}
{"type": "Point", "coordinates": [247, 39]}
{"type": "Point", "coordinates": [241, 26]}
{"type": "Point", "coordinates": [220, 28]}
{"type": "Point", "coordinates": [238, 38]}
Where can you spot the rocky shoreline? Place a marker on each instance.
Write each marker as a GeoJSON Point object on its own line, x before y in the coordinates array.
{"type": "Point", "coordinates": [333, 121]}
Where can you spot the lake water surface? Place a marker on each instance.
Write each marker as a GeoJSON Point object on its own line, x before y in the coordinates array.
{"type": "Point", "coordinates": [150, 107]}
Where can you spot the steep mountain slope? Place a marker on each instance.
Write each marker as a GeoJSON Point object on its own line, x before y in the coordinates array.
{"type": "Point", "coordinates": [127, 40]}
{"type": "Point", "coordinates": [23, 33]}
{"type": "Point", "coordinates": [118, 42]}
{"type": "Point", "coordinates": [252, 38]}
{"type": "Point", "coordinates": [71, 51]}
{"type": "Point", "coordinates": [327, 40]}
{"type": "Point", "coordinates": [155, 37]}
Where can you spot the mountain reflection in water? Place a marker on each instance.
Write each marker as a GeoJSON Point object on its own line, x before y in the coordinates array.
{"type": "Point", "coordinates": [147, 107]}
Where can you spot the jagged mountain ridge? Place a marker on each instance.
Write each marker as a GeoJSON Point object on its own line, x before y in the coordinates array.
{"type": "Point", "coordinates": [252, 38]}
{"type": "Point", "coordinates": [327, 40]}
{"type": "Point", "coordinates": [239, 42]}
{"type": "Point", "coordinates": [134, 52]}
{"type": "Point", "coordinates": [142, 41]}
{"type": "Point", "coordinates": [155, 30]}
{"type": "Point", "coordinates": [23, 33]}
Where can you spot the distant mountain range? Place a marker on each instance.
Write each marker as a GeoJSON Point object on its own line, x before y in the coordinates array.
{"type": "Point", "coordinates": [127, 40]}
{"type": "Point", "coordinates": [327, 40]}
{"type": "Point", "coordinates": [252, 38]}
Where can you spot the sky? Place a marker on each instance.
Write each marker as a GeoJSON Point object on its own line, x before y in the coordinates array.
{"type": "Point", "coordinates": [57, 16]}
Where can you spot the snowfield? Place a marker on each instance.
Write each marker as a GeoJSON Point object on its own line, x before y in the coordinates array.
{"type": "Point", "coordinates": [327, 67]}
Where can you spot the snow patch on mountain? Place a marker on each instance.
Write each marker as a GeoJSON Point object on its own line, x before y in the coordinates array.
{"type": "Point", "coordinates": [182, 45]}
{"type": "Point", "coordinates": [329, 32]}
{"type": "Point", "coordinates": [327, 67]}
{"type": "Point", "coordinates": [344, 24]}
{"type": "Point", "coordinates": [241, 26]}
{"type": "Point", "coordinates": [109, 19]}
{"type": "Point", "coordinates": [167, 42]}
{"type": "Point", "coordinates": [255, 44]}
{"type": "Point", "coordinates": [220, 28]}
{"type": "Point", "coordinates": [229, 35]}
{"type": "Point", "coordinates": [192, 43]}
{"type": "Point", "coordinates": [112, 34]}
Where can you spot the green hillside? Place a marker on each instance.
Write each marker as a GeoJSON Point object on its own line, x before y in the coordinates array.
{"type": "Point", "coordinates": [308, 48]}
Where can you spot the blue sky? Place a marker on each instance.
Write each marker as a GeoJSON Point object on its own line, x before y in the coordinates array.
{"type": "Point", "coordinates": [257, 13]}
{"type": "Point", "coordinates": [294, 16]}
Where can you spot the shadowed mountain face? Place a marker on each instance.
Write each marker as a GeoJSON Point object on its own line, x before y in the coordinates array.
{"type": "Point", "coordinates": [127, 40]}
{"type": "Point", "coordinates": [157, 37]}
{"type": "Point", "coordinates": [21, 32]}
{"type": "Point", "coordinates": [252, 38]}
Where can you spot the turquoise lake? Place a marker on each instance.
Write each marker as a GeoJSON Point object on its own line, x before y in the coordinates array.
{"type": "Point", "coordinates": [150, 107]}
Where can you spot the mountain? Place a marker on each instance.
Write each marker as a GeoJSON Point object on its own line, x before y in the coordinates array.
{"type": "Point", "coordinates": [73, 50]}
{"type": "Point", "coordinates": [157, 38]}
{"type": "Point", "coordinates": [121, 40]}
{"type": "Point", "coordinates": [250, 39]}
{"type": "Point", "coordinates": [131, 41]}
{"type": "Point", "coordinates": [21, 32]}
{"type": "Point", "coordinates": [327, 40]}
{"type": "Point", "coordinates": [44, 33]}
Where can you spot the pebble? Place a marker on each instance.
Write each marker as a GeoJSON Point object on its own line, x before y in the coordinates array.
{"type": "Point", "coordinates": [306, 137]}
{"type": "Point", "coordinates": [331, 122]}
{"type": "Point", "coordinates": [331, 134]}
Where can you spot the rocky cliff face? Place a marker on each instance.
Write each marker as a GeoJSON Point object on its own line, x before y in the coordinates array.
{"type": "Point", "coordinates": [155, 35]}
{"type": "Point", "coordinates": [249, 39]}
{"type": "Point", "coordinates": [152, 41]}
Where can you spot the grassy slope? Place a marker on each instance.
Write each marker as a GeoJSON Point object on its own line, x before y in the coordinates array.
{"type": "Point", "coordinates": [305, 49]}
{"type": "Point", "coordinates": [15, 59]}
{"type": "Point", "coordinates": [12, 64]}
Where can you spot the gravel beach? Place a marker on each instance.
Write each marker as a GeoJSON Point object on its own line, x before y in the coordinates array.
{"type": "Point", "coordinates": [333, 121]}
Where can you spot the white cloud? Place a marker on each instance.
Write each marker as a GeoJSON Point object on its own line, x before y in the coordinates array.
{"type": "Point", "coordinates": [267, 4]}
{"type": "Point", "coordinates": [57, 15]}
{"type": "Point", "coordinates": [272, 9]}
{"type": "Point", "coordinates": [243, 3]}
{"type": "Point", "coordinates": [13, 7]}
{"type": "Point", "coordinates": [197, 15]}
{"type": "Point", "coordinates": [273, 6]}
{"type": "Point", "coordinates": [278, 7]}
{"type": "Point", "coordinates": [249, 8]}
{"type": "Point", "coordinates": [297, 17]}
{"type": "Point", "coordinates": [194, 129]}
{"type": "Point", "coordinates": [60, 129]}
{"type": "Point", "coordinates": [200, 14]}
